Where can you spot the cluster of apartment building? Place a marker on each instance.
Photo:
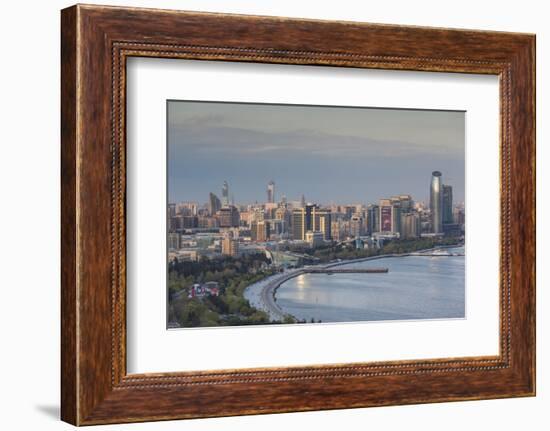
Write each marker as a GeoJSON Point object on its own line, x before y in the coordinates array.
{"type": "Point", "coordinates": [222, 227]}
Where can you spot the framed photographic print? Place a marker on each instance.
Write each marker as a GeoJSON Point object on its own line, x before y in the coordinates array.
{"type": "Point", "coordinates": [286, 207]}
{"type": "Point", "coordinates": [255, 256]}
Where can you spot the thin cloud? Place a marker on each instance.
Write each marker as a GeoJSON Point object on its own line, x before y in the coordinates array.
{"type": "Point", "coordinates": [217, 140]}
{"type": "Point", "coordinates": [208, 120]}
{"type": "Point", "coordinates": [329, 154]}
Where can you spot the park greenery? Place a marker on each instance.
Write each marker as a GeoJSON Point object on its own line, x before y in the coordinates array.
{"type": "Point", "coordinates": [230, 308]}
{"type": "Point", "coordinates": [347, 251]}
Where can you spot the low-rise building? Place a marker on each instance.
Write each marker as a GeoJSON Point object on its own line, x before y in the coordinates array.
{"type": "Point", "coordinates": [210, 288]}
{"type": "Point", "coordinates": [183, 255]}
{"type": "Point", "coordinates": [314, 238]}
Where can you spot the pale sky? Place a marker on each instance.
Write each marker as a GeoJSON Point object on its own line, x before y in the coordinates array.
{"type": "Point", "coordinates": [330, 154]}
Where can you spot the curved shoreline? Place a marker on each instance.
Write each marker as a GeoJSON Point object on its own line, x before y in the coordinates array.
{"type": "Point", "coordinates": [267, 302]}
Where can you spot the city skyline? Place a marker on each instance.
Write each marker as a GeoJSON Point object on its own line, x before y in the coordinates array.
{"type": "Point", "coordinates": [278, 197]}
{"type": "Point", "coordinates": [269, 204]}
{"type": "Point", "coordinates": [398, 217]}
{"type": "Point", "coordinates": [333, 155]}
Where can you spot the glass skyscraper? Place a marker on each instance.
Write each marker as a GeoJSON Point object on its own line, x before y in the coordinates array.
{"type": "Point", "coordinates": [436, 202]}
{"type": "Point", "coordinates": [271, 192]}
{"type": "Point", "coordinates": [447, 204]}
{"type": "Point", "coordinates": [225, 194]}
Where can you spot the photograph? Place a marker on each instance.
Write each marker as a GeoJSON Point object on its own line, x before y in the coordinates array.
{"type": "Point", "coordinates": [307, 214]}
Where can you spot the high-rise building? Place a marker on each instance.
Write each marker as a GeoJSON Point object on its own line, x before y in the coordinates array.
{"type": "Point", "coordinates": [322, 223]}
{"type": "Point", "coordinates": [271, 192]}
{"type": "Point", "coordinates": [436, 202]}
{"type": "Point", "coordinates": [208, 222]}
{"type": "Point", "coordinates": [447, 204]}
{"type": "Point", "coordinates": [386, 212]}
{"type": "Point", "coordinates": [373, 219]}
{"type": "Point", "coordinates": [214, 204]}
{"type": "Point", "coordinates": [458, 216]}
{"type": "Point", "coordinates": [174, 241]}
{"type": "Point", "coordinates": [301, 222]}
{"type": "Point", "coordinates": [228, 216]}
{"type": "Point", "coordinates": [301, 218]}
{"type": "Point", "coordinates": [175, 223]}
{"type": "Point", "coordinates": [260, 230]}
{"type": "Point", "coordinates": [283, 214]}
{"type": "Point", "coordinates": [277, 227]}
{"type": "Point", "coordinates": [189, 222]}
{"type": "Point", "coordinates": [270, 209]}
{"type": "Point", "coordinates": [337, 230]}
{"type": "Point", "coordinates": [187, 208]}
{"type": "Point", "coordinates": [311, 218]}
{"type": "Point", "coordinates": [349, 211]}
{"type": "Point", "coordinates": [258, 214]}
{"type": "Point", "coordinates": [410, 225]}
{"type": "Point", "coordinates": [225, 194]}
{"type": "Point", "coordinates": [390, 215]}
{"type": "Point", "coordinates": [171, 210]}
{"type": "Point", "coordinates": [405, 202]}
{"type": "Point", "coordinates": [230, 246]}
{"type": "Point", "coordinates": [356, 226]}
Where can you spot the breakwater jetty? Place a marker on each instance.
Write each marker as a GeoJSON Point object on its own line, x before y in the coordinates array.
{"type": "Point", "coordinates": [332, 270]}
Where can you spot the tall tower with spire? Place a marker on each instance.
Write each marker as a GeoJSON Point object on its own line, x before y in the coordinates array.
{"type": "Point", "coordinates": [271, 192]}
{"type": "Point", "coordinates": [225, 194]}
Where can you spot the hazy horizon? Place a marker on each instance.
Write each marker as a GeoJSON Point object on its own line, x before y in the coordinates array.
{"type": "Point", "coordinates": [330, 154]}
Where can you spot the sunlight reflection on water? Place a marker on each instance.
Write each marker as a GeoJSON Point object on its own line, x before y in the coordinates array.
{"type": "Point", "coordinates": [414, 288]}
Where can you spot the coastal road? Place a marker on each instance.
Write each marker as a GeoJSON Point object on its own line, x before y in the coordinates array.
{"type": "Point", "coordinates": [267, 294]}
{"type": "Point", "coordinates": [263, 292]}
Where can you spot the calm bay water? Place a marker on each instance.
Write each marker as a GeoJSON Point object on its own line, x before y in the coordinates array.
{"type": "Point", "coordinates": [414, 288]}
